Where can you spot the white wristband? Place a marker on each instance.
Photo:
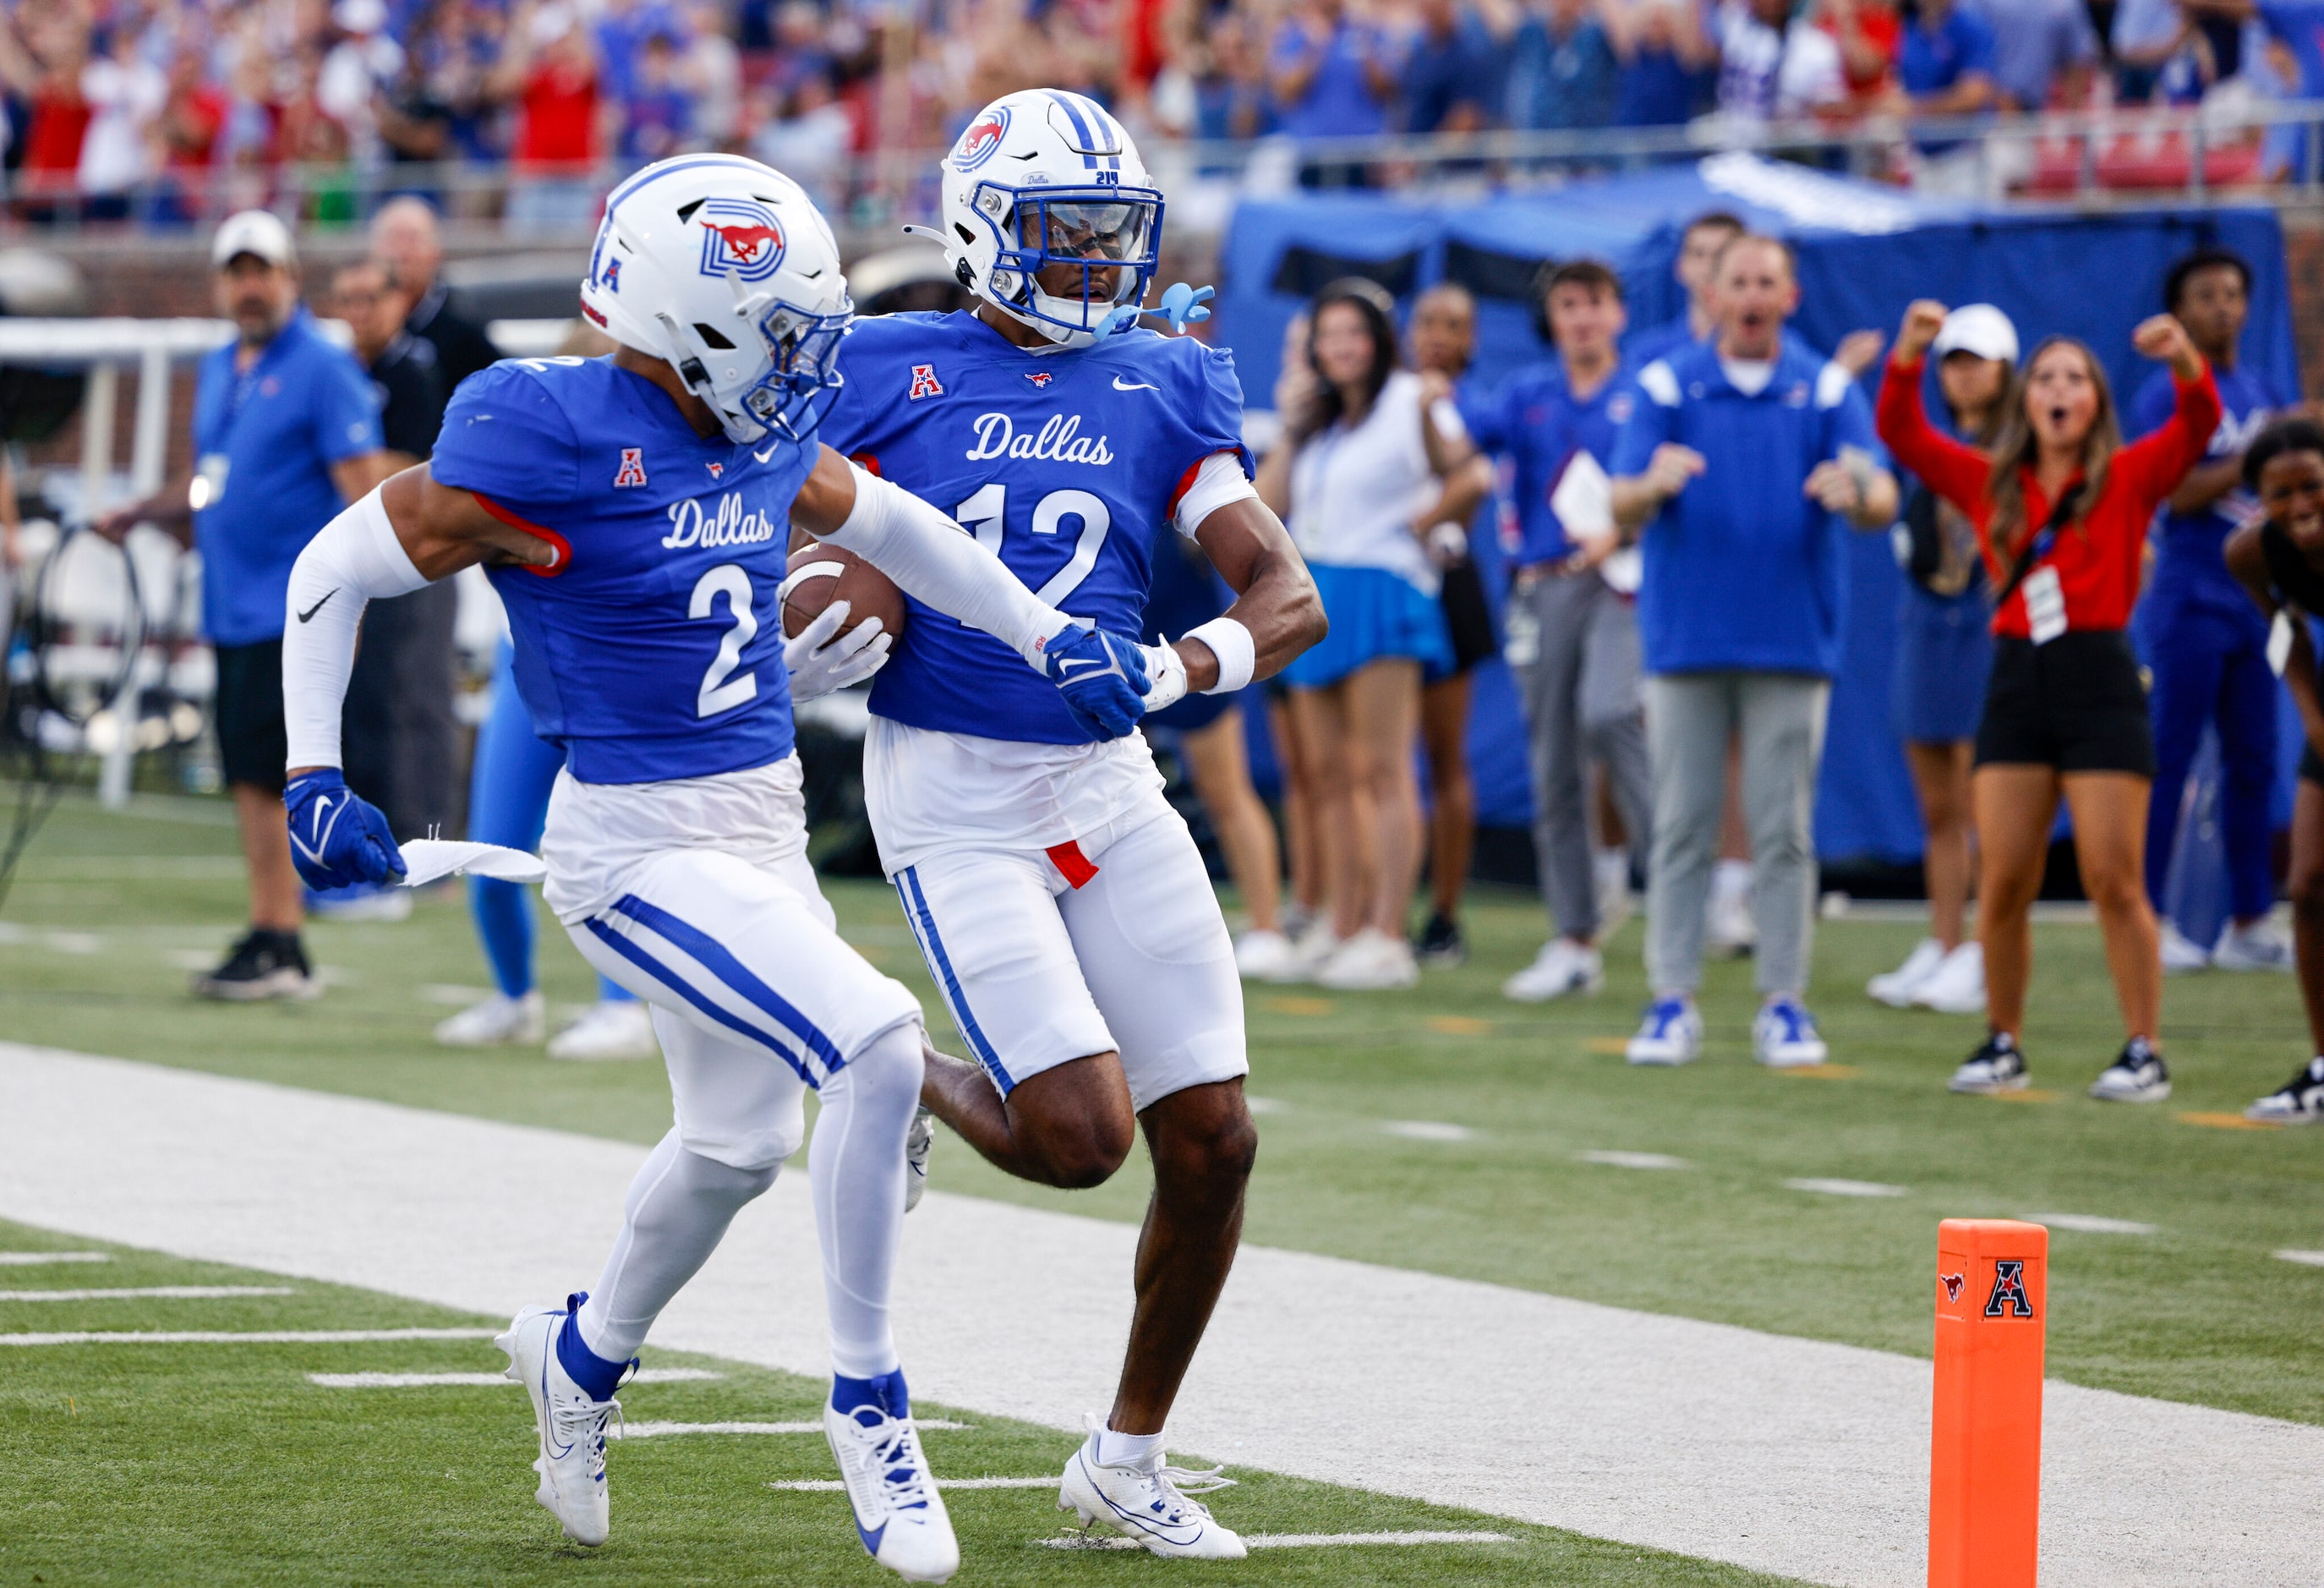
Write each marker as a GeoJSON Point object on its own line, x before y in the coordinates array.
{"type": "Point", "coordinates": [1231, 642]}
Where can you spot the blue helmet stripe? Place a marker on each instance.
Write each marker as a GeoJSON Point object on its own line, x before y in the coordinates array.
{"type": "Point", "coordinates": [1081, 127]}
{"type": "Point", "coordinates": [654, 173]}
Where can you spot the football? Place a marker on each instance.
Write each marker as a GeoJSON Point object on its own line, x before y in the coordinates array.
{"type": "Point", "coordinates": [820, 575]}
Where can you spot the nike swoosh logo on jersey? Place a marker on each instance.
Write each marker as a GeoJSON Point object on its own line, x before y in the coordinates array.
{"type": "Point", "coordinates": [1120, 385]}
{"type": "Point", "coordinates": [317, 606]}
{"type": "Point", "coordinates": [769, 455]}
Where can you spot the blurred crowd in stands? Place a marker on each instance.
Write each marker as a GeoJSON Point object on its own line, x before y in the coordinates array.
{"type": "Point", "coordinates": [165, 111]}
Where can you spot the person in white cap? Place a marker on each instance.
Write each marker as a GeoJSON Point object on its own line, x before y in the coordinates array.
{"type": "Point", "coordinates": [1944, 653]}
{"type": "Point", "coordinates": [286, 434]}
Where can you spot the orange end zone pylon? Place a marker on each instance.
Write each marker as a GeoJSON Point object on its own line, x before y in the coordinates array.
{"type": "Point", "coordinates": [1985, 1466]}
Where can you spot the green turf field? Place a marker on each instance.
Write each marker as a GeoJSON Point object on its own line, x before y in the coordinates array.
{"type": "Point", "coordinates": [222, 1462]}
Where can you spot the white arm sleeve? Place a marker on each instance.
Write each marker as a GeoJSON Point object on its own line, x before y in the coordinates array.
{"type": "Point", "coordinates": [935, 560]}
{"type": "Point", "coordinates": [1219, 481]}
{"type": "Point", "coordinates": [354, 559]}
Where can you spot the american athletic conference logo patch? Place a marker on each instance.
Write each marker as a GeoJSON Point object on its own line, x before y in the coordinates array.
{"type": "Point", "coordinates": [742, 236]}
{"type": "Point", "coordinates": [981, 141]}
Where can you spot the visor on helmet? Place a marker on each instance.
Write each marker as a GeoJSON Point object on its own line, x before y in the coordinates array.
{"type": "Point", "coordinates": [1109, 236]}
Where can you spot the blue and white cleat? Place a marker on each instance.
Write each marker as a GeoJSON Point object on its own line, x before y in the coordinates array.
{"type": "Point", "coordinates": [570, 1422]}
{"type": "Point", "coordinates": [1672, 1033]}
{"type": "Point", "coordinates": [1785, 1035]}
{"type": "Point", "coordinates": [899, 1514]}
{"type": "Point", "coordinates": [1149, 1504]}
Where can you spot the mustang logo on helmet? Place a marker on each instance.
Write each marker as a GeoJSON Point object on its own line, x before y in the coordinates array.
{"type": "Point", "coordinates": [740, 235]}
{"type": "Point", "coordinates": [981, 141]}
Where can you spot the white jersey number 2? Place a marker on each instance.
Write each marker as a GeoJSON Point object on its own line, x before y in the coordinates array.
{"type": "Point", "coordinates": [983, 515]}
{"type": "Point", "coordinates": [719, 692]}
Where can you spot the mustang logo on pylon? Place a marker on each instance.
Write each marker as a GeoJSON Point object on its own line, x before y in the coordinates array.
{"type": "Point", "coordinates": [740, 236]}
{"type": "Point", "coordinates": [1953, 1284]}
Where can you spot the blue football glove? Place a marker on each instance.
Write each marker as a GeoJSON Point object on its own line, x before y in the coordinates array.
{"type": "Point", "coordinates": [1182, 305]}
{"type": "Point", "coordinates": [337, 840]}
{"type": "Point", "coordinates": [1103, 678]}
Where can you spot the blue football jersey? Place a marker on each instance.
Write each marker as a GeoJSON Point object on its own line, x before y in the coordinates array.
{"type": "Point", "coordinates": [654, 649]}
{"type": "Point", "coordinates": [1068, 464]}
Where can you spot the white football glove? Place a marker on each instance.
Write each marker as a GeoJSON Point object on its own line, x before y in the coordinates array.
{"type": "Point", "coordinates": [1168, 669]}
{"type": "Point", "coordinates": [819, 664]}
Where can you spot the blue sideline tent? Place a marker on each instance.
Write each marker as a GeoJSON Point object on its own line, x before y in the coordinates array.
{"type": "Point", "coordinates": [1865, 251]}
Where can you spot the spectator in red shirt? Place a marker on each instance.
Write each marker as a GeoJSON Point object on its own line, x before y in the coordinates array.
{"type": "Point", "coordinates": [43, 67]}
{"type": "Point", "coordinates": [2060, 507]}
{"type": "Point", "coordinates": [185, 138]}
{"type": "Point", "coordinates": [1867, 31]}
{"type": "Point", "coordinates": [550, 71]}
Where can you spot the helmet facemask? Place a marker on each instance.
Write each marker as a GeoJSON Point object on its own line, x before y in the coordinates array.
{"type": "Point", "coordinates": [1078, 234]}
{"type": "Point", "coordinates": [792, 390]}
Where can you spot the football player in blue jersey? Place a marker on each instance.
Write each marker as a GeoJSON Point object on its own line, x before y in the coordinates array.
{"type": "Point", "coordinates": [1059, 901]}
{"type": "Point", "coordinates": [632, 511]}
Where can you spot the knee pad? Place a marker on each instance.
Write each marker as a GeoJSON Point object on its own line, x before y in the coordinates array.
{"type": "Point", "coordinates": [888, 1064]}
{"type": "Point", "coordinates": [731, 1183]}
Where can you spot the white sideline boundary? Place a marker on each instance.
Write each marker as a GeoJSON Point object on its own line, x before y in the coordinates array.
{"type": "Point", "coordinates": [484, 1381]}
{"type": "Point", "coordinates": [1285, 1540]}
{"type": "Point", "coordinates": [834, 1486]}
{"type": "Point", "coordinates": [26, 1260]}
{"type": "Point", "coordinates": [664, 1430]}
{"type": "Point", "coordinates": [239, 1337]}
{"type": "Point", "coordinates": [1785, 1455]}
{"type": "Point", "coordinates": [152, 1293]}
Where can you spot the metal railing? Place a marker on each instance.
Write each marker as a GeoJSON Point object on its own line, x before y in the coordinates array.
{"type": "Point", "coordinates": [2122, 154]}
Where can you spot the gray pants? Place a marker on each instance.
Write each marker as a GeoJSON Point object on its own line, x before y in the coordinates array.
{"type": "Point", "coordinates": [1689, 718]}
{"type": "Point", "coordinates": [1574, 646]}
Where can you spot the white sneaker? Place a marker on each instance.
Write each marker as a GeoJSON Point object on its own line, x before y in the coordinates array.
{"type": "Point", "coordinates": [1265, 956]}
{"type": "Point", "coordinates": [1729, 930]}
{"type": "Point", "coordinates": [1150, 1504]}
{"type": "Point", "coordinates": [2179, 955]}
{"type": "Point", "coordinates": [1785, 1035]}
{"type": "Point", "coordinates": [1370, 961]}
{"type": "Point", "coordinates": [571, 1425]}
{"type": "Point", "coordinates": [1897, 987]}
{"type": "Point", "coordinates": [1612, 869]}
{"type": "Point", "coordinates": [918, 1142]}
{"type": "Point", "coordinates": [1311, 947]}
{"type": "Point", "coordinates": [611, 1027]}
{"type": "Point", "coordinates": [1957, 987]}
{"type": "Point", "coordinates": [1561, 966]}
{"type": "Point", "coordinates": [1672, 1033]}
{"type": "Point", "coordinates": [899, 1514]}
{"type": "Point", "coordinates": [498, 1018]}
{"type": "Point", "coordinates": [2258, 947]}
{"type": "Point", "coordinates": [2138, 1075]}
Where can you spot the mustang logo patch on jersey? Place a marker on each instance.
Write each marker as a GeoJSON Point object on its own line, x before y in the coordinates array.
{"type": "Point", "coordinates": [1039, 377]}
{"type": "Point", "coordinates": [924, 382]}
{"type": "Point", "coordinates": [981, 141]}
{"type": "Point", "coordinates": [632, 471]}
{"type": "Point", "coordinates": [717, 470]}
{"type": "Point", "coordinates": [740, 236]}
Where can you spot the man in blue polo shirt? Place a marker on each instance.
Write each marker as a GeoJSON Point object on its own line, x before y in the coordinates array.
{"type": "Point", "coordinates": [1572, 638]}
{"type": "Point", "coordinates": [286, 434]}
{"type": "Point", "coordinates": [1747, 447]}
{"type": "Point", "coordinates": [2208, 649]}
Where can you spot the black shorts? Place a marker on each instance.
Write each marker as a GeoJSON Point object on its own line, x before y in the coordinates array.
{"type": "Point", "coordinates": [2077, 704]}
{"type": "Point", "coordinates": [252, 743]}
{"type": "Point", "coordinates": [1468, 619]}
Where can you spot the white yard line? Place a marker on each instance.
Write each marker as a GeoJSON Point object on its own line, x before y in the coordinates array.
{"type": "Point", "coordinates": [479, 1381]}
{"type": "Point", "coordinates": [152, 1293]}
{"type": "Point", "coordinates": [663, 1430]}
{"type": "Point", "coordinates": [1786, 1456]}
{"type": "Point", "coordinates": [26, 1260]}
{"type": "Point", "coordinates": [1270, 1540]}
{"type": "Point", "coordinates": [239, 1337]}
{"type": "Point", "coordinates": [834, 1486]}
{"type": "Point", "coordinates": [1845, 1188]}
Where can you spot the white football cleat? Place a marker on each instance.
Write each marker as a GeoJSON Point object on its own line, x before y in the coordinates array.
{"type": "Point", "coordinates": [498, 1018]}
{"type": "Point", "coordinates": [571, 1425]}
{"type": "Point", "coordinates": [609, 1029]}
{"type": "Point", "coordinates": [918, 1142]}
{"type": "Point", "coordinates": [898, 1515]}
{"type": "Point", "coordinates": [1957, 986]}
{"type": "Point", "coordinates": [1561, 966]}
{"type": "Point", "coordinates": [1149, 1504]}
{"type": "Point", "coordinates": [1895, 988]}
{"type": "Point", "coordinates": [2258, 947]}
{"type": "Point", "coordinates": [2181, 953]}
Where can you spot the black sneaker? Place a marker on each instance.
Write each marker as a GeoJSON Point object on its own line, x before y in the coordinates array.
{"type": "Point", "coordinates": [263, 964]}
{"type": "Point", "coordinates": [1439, 942]}
{"type": "Point", "coordinates": [1998, 1066]}
{"type": "Point", "coordinates": [2138, 1076]}
{"type": "Point", "coordinates": [2298, 1102]}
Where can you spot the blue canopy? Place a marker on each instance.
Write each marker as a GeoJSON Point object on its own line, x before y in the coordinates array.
{"type": "Point", "coordinates": [1865, 251]}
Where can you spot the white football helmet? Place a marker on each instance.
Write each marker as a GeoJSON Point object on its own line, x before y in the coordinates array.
{"type": "Point", "coordinates": [1043, 178]}
{"type": "Point", "coordinates": [726, 269]}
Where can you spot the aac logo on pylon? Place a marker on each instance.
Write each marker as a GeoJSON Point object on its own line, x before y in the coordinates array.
{"type": "Point", "coordinates": [2010, 1298]}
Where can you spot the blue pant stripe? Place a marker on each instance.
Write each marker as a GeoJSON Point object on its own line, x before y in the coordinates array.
{"type": "Point", "coordinates": [738, 978]}
{"type": "Point", "coordinates": [924, 925]}
{"type": "Point", "coordinates": [678, 984]}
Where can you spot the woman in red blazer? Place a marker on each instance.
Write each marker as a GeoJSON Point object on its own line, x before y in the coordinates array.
{"type": "Point", "coordinates": [2061, 509]}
